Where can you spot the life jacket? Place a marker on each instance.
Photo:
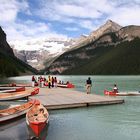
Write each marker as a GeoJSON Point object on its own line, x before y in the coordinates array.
{"type": "Point", "coordinates": [49, 80]}
{"type": "Point", "coordinates": [33, 78]}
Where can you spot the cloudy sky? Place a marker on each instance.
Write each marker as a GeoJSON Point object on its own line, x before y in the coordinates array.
{"type": "Point", "coordinates": [27, 19]}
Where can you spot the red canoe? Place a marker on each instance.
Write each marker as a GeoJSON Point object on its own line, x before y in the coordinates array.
{"type": "Point", "coordinates": [130, 93]}
{"type": "Point", "coordinates": [35, 91]}
{"type": "Point", "coordinates": [66, 85]}
{"type": "Point", "coordinates": [14, 112]}
{"type": "Point", "coordinates": [111, 93]}
{"type": "Point", "coordinates": [15, 85]}
{"type": "Point", "coordinates": [35, 121]}
{"type": "Point", "coordinates": [11, 89]}
{"type": "Point", "coordinates": [18, 95]}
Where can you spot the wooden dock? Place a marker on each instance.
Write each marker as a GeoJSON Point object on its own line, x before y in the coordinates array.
{"type": "Point", "coordinates": [59, 98]}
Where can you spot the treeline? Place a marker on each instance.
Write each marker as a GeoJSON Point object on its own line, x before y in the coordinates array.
{"type": "Point", "coordinates": [12, 66]}
{"type": "Point", "coordinates": [7, 68]}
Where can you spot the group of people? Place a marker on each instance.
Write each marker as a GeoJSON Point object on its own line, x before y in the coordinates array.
{"type": "Point", "coordinates": [52, 82]}
{"type": "Point", "coordinates": [89, 85]}
{"type": "Point", "coordinates": [42, 81]}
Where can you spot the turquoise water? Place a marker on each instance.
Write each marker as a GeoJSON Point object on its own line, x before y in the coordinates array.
{"type": "Point", "coordinates": [113, 122]}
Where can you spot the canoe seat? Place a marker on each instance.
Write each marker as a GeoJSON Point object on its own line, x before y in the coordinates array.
{"type": "Point", "coordinates": [31, 114]}
{"type": "Point", "coordinates": [3, 114]}
{"type": "Point", "coordinates": [31, 118]}
{"type": "Point", "coordinates": [22, 107]}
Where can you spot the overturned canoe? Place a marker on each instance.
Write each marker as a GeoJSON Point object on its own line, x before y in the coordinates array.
{"type": "Point", "coordinates": [35, 121]}
{"type": "Point", "coordinates": [14, 112]}
{"type": "Point", "coordinates": [18, 95]}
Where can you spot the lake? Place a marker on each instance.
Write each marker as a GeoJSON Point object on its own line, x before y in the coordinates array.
{"type": "Point", "coordinates": [113, 122]}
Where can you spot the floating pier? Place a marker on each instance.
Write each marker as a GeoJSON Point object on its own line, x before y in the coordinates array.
{"type": "Point", "coordinates": [60, 98]}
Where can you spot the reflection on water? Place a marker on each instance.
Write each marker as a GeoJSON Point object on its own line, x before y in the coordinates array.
{"type": "Point", "coordinates": [42, 135]}
{"type": "Point", "coordinates": [14, 130]}
{"type": "Point", "coordinates": [114, 122]}
{"type": "Point", "coordinates": [4, 106]}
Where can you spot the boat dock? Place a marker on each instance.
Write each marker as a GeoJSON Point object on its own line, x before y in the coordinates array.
{"type": "Point", "coordinates": [60, 98]}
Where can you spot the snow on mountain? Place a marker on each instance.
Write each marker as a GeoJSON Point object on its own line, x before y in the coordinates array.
{"type": "Point", "coordinates": [37, 51]}
{"type": "Point", "coordinates": [40, 52]}
{"type": "Point", "coordinates": [52, 45]}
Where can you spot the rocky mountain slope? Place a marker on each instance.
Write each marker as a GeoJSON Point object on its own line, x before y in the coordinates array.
{"type": "Point", "coordinates": [40, 52]}
{"type": "Point", "coordinates": [4, 46]}
{"type": "Point", "coordinates": [9, 64]}
{"type": "Point", "coordinates": [108, 27]}
{"type": "Point", "coordinates": [102, 51]}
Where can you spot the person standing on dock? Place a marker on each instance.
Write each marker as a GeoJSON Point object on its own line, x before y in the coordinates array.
{"type": "Point", "coordinates": [33, 81]}
{"type": "Point", "coordinates": [55, 82]}
{"type": "Point", "coordinates": [88, 85]}
{"type": "Point", "coordinates": [49, 81]}
{"type": "Point", "coordinates": [52, 82]}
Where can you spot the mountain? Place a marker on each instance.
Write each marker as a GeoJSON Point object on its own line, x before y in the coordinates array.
{"type": "Point", "coordinates": [40, 52]}
{"type": "Point", "coordinates": [4, 46]}
{"type": "Point", "coordinates": [9, 64]}
{"type": "Point", "coordinates": [108, 27]}
{"type": "Point", "coordinates": [111, 49]}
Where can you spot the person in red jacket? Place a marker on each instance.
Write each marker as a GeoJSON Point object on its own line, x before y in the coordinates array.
{"type": "Point", "coordinates": [33, 81]}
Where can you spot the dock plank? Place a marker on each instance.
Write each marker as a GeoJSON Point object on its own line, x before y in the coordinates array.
{"type": "Point", "coordinates": [58, 98]}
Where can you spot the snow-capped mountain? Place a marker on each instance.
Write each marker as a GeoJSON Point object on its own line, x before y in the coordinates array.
{"type": "Point", "coordinates": [100, 51]}
{"type": "Point", "coordinates": [41, 52]}
{"type": "Point", "coordinates": [36, 52]}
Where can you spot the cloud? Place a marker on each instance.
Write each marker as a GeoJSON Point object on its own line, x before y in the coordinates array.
{"type": "Point", "coordinates": [126, 15]}
{"type": "Point", "coordinates": [20, 29]}
{"type": "Point", "coordinates": [77, 11]}
{"type": "Point", "coordinates": [88, 24]}
{"type": "Point", "coordinates": [30, 29]}
{"type": "Point", "coordinates": [22, 19]}
{"type": "Point", "coordinates": [10, 8]}
{"type": "Point", "coordinates": [23, 30]}
{"type": "Point", "coordinates": [87, 12]}
{"type": "Point", "coordinates": [71, 29]}
{"type": "Point", "coordinates": [57, 10]}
